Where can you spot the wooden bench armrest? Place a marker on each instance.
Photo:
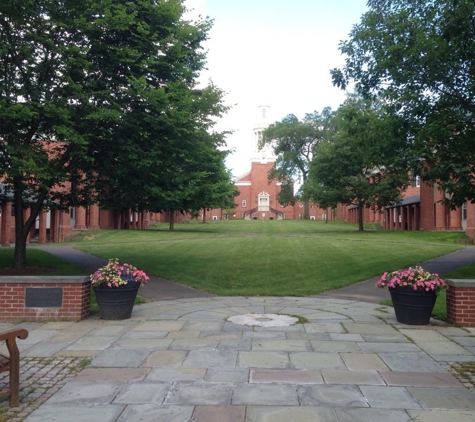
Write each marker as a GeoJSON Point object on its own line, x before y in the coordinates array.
{"type": "Point", "coordinates": [12, 363]}
{"type": "Point", "coordinates": [21, 333]}
{"type": "Point", "coordinates": [10, 337]}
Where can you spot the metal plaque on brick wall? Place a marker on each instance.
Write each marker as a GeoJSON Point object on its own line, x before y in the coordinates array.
{"type": "Point", "coordinates": [44, 297]}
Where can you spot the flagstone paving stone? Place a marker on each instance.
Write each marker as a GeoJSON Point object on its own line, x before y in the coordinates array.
{"type": "Point", "coordinates": [310, 360]}
{"type": "Point", "coordinates": [284, 345]}
{"type": "Point", "coordinates": [87, 393]}
{"type": "Point", "coordinates": [185, 393]}
{"type": "Point", "coordinates": [331, 395]}
{"type": "Point", "coordinates": [178, 374]}
{"type": "Point", "coordinates": [286, 414]}
{"type": "Point", "coordinates": [441, 415]}
{"type": "Point", "coordinates": [235, 345]}
{"type": "Point", "coordinates": [91, 374]}
{"type": "Point", "coordinates": [219, 414]}
{"type": "Point", "coordinates": [443, 398]}
{"type": "Point", "coordinates": [365, 415]}
{"type": "Point", "coordinates": [368, 377]}
{"type": "Point", "coordinates": [154, 413]}
{"type": "Point", "coordinates": [426, 379]}
{"type": "Point", "coordinates": [120, 358]}
{"type": "Point", "coordinates": [235, 375]}
{"type": "Point", "coordinates": [362, 361]}
{"type": "Point", "coordinates": [264, 359]}
{"type": "Point", "coordinates": [265, 394]}
{"type": "Point", "coordinates": [334, 346]}
{"type": "Point", "coordinates": [411, 361]}
{"type": "Point", "coordinates": [98, 413]}
{"type": "Point", "coordinates": [286, 376]}
{"type": "Point", "coordinates": [389, 397]}
{"type": "Point", "coordinates": [142, 393]}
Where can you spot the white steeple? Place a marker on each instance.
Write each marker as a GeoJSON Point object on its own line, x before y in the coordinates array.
{"type": "Point", "coordinates": [264, 154]}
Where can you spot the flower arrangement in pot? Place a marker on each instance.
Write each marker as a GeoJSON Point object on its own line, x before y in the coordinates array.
{"type": "Point", "coordinates": [115, 286]}
{"type": "Point", "coordinates": [413, 292]}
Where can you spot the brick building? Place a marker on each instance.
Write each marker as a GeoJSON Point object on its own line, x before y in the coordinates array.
{"type": "Point", "coordinates": [54, 225]}
{"type": "Point", "coordinates": [258, 198]}
{"type": "Point", "coordinates": [420, 209]}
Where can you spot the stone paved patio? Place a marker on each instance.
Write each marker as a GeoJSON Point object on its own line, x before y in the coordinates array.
{"type": "Point", "coordinates": [182, 360]}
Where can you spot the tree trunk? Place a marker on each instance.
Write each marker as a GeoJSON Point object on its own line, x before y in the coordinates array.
{"type": "Point", "coordinates": [171, 215]}
{"type": "Point", "coordinates": [204, 215]}
{"type": "Point", "coordinates": [19, 259]}
{"type": "Point", "coordinates": [22, 228]}
{"type": "Point", "coordinates": [360, 216]}
{"type": "Point", "coordinates": [306, 210]}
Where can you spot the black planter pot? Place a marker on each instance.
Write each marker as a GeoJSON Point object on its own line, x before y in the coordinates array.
{"type": "Point", "coordinates": [412, 307]}
{"type": "Point", "coordinates": [116, 302]}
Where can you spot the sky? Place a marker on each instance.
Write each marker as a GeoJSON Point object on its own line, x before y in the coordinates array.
{"type": "Point", "coordinates": [273, 52]}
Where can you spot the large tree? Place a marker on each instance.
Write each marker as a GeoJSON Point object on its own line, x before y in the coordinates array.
{"type": "Point", "coordinates": [294, 144]}
{"type": "Point", "coordinates": [419, 55]}
{"type": "Point", "coordinates": [364, 164]}
{"type": "Point", "coordinates": [181, 159]}
{"type": "Point", "coordinates": [92, 93]}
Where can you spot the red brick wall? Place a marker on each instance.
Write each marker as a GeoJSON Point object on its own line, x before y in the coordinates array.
{"type": "Point", "coordinates": [75, 298]}
{"type": "Point", "coordinates": [470, 229]}
{"type": "Point", "coordinates": [461, 302]}
{"type": "Point", "coordinates": [427, 216]}
{"type": "Point", "coordinates": [106, 218]}
{"type": "Point", "coordinates": [411, 191]}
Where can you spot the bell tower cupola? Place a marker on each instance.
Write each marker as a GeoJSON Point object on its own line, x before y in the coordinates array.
{"type": "Point", "coordinates": [263, 154]}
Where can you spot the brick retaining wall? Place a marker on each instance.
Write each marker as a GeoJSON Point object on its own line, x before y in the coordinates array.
{"type": "Point", "coordinates": [461, 302]}
{"type": "Point", "coordinates": [43, 298]}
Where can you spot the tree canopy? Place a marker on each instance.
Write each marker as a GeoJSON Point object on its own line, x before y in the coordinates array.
{"type": "Point", "coordinates": [362, 164]}
{"type": "Point", "coordinates": [294, 144]}
{"type": "Point", "coordinates": [419, 56]}
{"type": "Point", "coordinates": [102, 97]}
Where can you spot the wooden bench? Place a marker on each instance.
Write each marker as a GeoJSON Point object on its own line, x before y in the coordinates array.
{"type": "Point", "coordinates": [11, 363]}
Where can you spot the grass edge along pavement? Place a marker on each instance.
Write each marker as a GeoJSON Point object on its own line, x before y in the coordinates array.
{"type": "Point", "coordinates": [269, 258]}
{"type": "Point", "coordinates": [235, 248]}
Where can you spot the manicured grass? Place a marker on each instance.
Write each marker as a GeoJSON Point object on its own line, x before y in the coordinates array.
{"type": "Point", "coordinates": [40, 258]}
{"type": "Point", "coordinates": [440, 307]}
{"type": "Point", "coordinates": [250, 258]}
{"type": "Point", "coordinates": [463, 272]}
{"type": "Point", "coordinates": [278, 258]}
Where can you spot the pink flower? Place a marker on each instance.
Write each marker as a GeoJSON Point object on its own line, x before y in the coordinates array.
{"type": "Point", "coordinates": [416, 277]}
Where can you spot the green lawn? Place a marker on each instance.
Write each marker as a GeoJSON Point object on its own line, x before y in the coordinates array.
{"type": "Point", "coordinates": [289, 257]}
{"type": "Point", "coordinates": [50, 264]}
{"type": "Point", "coordinates": [250, 258]}
{"type": "Point", "coordinates": [464, 272]}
